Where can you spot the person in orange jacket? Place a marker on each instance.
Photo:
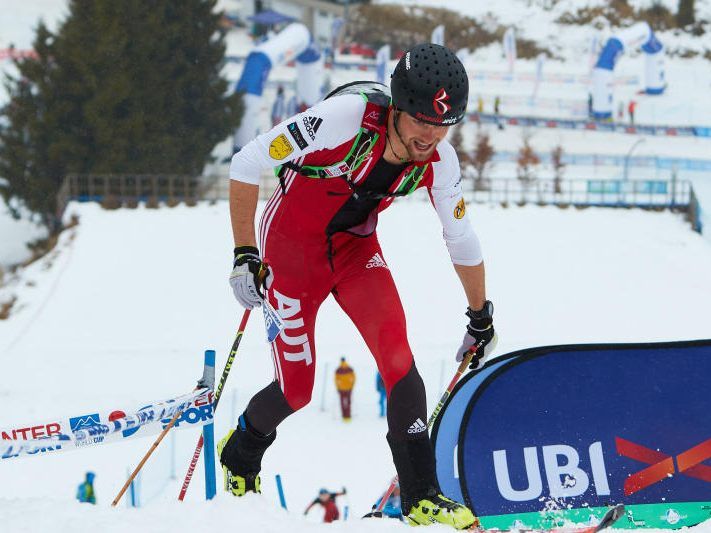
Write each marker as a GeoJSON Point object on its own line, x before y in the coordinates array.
{"type": "Point", "coordinates": [345, 380]}
{"type": "Point", "coordinates": [631, 109]}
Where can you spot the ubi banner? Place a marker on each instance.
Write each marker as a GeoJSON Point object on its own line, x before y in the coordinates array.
{"type": "Point", "coordinates": [558, 433]}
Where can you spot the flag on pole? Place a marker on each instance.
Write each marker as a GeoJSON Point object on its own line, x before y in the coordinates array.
{"type": "Point", "coordinates": [381, 64]}
{"type": "Point", "coordinates": [510, 47]}
{"type": "Point", "coordinates": [438, 35]}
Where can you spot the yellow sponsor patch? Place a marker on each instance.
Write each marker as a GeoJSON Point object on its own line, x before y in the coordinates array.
{"type": "Point", "coordinates": [280, 147]}
{"type": "Point", "coordinates": [460, 209]}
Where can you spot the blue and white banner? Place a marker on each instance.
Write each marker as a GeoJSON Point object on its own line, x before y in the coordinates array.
{"type": "Point", "coordinates": [99, 426]}
{"type": "Point", "coordinates": [581, 426]}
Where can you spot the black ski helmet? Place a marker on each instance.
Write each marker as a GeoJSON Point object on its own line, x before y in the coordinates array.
{"type": "Point", "coordinates": [430, 83]}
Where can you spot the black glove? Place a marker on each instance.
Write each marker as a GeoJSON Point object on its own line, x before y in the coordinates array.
{"type": "Point", "coordinates": [249, 274]}
{"type": "Point", "coordinates": [480, 335]}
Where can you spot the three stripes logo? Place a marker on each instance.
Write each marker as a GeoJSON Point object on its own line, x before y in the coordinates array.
{"type": "Point", "coordinates": [418, 426]}
{"type": "Point", "coordinates": [662, 465]}
{"type": "Point", "coordinates": [312, 124]}
{"type": "Point", "coordinates": [376, 262]}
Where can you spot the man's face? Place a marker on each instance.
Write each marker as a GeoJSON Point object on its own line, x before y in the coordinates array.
{"type": "Point", "coordinates": [324, 496]}
{"type": "Point", "coordinates": [420, 138]}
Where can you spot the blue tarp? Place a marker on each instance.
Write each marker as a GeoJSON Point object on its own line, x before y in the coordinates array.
{"type": "Point", "coordinates": [270, 18]}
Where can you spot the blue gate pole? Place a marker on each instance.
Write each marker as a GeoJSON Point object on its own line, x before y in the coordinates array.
{"type": "Point", "coordinates": [280, 489]}
{"type": "Point", "coordinates": [208, 435]}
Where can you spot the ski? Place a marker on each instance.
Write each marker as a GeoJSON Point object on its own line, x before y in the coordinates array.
{"type": "Point", "coordinates": [611, 516]}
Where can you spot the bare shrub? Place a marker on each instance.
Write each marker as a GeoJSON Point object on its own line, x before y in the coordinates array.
{"type": "Point", "coordinates": [558, 168]}
{"type": "Point", "coordinates": [6, 307]}
{"type": "Point", "coordinates": [152, 202]}
{"type": "Point", "coordinates": [111, 202]}
{"type": "Point", "coordinates": [482, 161]}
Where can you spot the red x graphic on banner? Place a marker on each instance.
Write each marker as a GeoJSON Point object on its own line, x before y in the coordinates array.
{"type": "Point", "coordinates": [663, 465]}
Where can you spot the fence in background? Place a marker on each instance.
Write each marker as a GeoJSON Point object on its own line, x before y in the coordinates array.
{"type": "Point", "coordinates": [114, 191]}
{"type": "Point", "coordinates": [117, 190]}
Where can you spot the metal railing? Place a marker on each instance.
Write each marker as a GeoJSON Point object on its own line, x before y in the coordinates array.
{"type": "Point", "coordinates": [677, 195]}
{"type": "Point", "coordinates": [125, 189]}
{"type": "Point", "coordinates": [608, 193]}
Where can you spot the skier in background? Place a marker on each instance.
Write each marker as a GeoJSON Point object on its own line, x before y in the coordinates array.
{"type": "Point", "coordinates": [497, 110]}
{"type": "Point", "coordinates": [345, 381]}
{"type": "Point", "coordinates": [85, 491]}
{"type": "Point", "coordinates": [327, 500]}
{"type": "Point", "coordinates": [292, 106]}
{"type": "Point", "coordinates": [279, 107]}
{"type": "Point", "coordinates": [382, 392]}
{"type": "Point", "coordinates": [392, 508]}
{"type": "Point", "coordinates": [631, 109]}
{"type": "Point", "coordinates": [340, 163]}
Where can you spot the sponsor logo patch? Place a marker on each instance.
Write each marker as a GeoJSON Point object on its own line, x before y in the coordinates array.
{"type": "Point", "coordinates": [280, 147]}
{"type": "Point", "coordinates": [295, 133]}
{"type": "Point", "coordinates": [428, 118]}
{"type": "Point", "coordinates": [439, 102]}
{"type": "Point", "coordinates": [460, 209]}
{"type": "Point", "coordinates": [376, 262]}
{"type": "Point", "coordinates": [337, 170]}
{"type": "Point", "coordinates": [418, 426]}
{"type": "Point", "coordinates": [312, 124]}
{"type": "Point", "coordinates": [83, 422]}
{"type": "Point", "coordinates": [663, 465]}
{"type": "Point", "coordinates": [32, 432]}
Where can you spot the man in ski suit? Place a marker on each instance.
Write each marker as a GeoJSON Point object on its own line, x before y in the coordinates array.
{"type": "Point", "coordinates": [327, 500]}
{"type": "Point", "coordinates": [340, 163]}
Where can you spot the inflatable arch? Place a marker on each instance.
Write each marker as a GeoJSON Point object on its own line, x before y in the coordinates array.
{"type": "Point", "coordinates": [292, 43]}
{"type": "Point", "coordinates": [638, 35]}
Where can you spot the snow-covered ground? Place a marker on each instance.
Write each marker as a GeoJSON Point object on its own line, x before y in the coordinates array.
{"type": "Point", "coordinates": [121, 311]}
{"type": "Point", "coordinates": [123, 320]}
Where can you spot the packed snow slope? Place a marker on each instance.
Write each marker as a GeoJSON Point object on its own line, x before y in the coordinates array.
{"type": "Point", "coordinates": [120, 313]}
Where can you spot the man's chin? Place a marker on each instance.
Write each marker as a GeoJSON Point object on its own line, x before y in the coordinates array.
{"type": "Point", "coordinates": [419, 156]}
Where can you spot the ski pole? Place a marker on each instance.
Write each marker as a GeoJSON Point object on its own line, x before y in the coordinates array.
{"type": "Point", "coordinates": [462, 368]}
{"type": "Point", "coordinates": [145, 457]}
{"type": "Point", "coordinates": [218, 394]}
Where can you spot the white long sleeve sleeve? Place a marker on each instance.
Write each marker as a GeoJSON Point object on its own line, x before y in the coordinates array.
{"type": "Point", "coordinates": [446, 193]}
{"type": "Point", "coordinates": [328, 124]}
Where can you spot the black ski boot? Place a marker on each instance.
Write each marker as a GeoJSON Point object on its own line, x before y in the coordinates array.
{"type": "Point", "coordinates": [240, 453]}
{"type": "Point", "coordinates": [421, 497]}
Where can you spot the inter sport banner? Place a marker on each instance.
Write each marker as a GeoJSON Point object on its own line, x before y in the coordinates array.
{"type": "Point", "coordinates": [558, 433]}
{"type": "Point", "coordinates": [96, 427]}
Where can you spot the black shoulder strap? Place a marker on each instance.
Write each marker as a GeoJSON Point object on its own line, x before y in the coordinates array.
{"type": "Point", "coordinates": [376, 92]}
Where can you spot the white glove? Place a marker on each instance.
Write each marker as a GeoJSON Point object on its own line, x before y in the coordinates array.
{"type": "Point", "coordinates": [248, 277]}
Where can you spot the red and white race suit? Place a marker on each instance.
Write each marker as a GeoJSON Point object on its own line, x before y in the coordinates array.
{"type": "Point", "coordinates": [318, 235]}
